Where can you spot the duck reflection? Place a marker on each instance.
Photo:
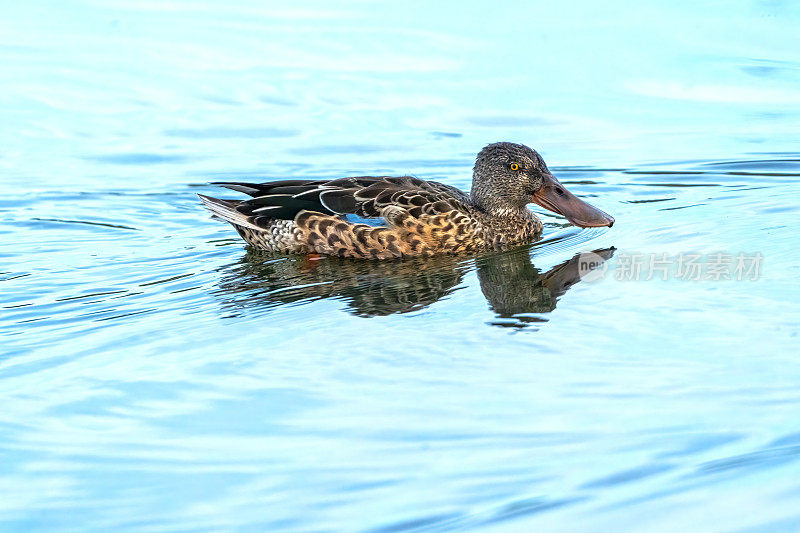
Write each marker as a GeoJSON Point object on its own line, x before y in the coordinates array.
{"type": "Point", "coordinates": [516, 289]}
{"type": "Point", "coordinates": [512, 285]}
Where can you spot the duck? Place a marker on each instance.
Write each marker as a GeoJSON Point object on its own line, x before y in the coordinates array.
{"type": "Point", "coordinates": [419, 217]}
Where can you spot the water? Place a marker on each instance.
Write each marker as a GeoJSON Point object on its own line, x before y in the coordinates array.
{"type": "Point", "coordinates": [157, 375]}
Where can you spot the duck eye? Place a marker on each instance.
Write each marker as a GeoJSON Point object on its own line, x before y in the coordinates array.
{"type": "Point", "coordinates": [514, 166]}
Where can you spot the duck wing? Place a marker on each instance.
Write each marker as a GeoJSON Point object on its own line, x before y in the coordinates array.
{"type": "Point", "coordinates": [365, 196]}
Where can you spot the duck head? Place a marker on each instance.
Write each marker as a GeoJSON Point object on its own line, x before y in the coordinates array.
{"type": "Point", "coordinates": [509, 176]}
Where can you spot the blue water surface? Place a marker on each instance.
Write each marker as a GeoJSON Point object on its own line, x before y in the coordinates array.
{"type": "Point", "coordinates": [155, 374]}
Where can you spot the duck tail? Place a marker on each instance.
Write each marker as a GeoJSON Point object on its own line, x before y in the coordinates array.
{"type": "Point", "coordinates": [226, 210]}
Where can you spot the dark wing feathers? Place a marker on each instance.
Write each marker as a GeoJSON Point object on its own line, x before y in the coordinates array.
{"type": "Point", "coordinates": [258, 189]}
{"type": "Point", "coordinates": [365, 196]}
{"type": "Point", "coordinates": [341, 201]}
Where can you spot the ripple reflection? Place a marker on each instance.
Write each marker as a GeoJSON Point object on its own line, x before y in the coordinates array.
{"type": "Point", "coordinates": [514, 288]}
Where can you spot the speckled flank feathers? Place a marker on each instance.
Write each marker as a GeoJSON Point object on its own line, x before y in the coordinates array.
{"type": "Point", "coordinates": [272, 235]}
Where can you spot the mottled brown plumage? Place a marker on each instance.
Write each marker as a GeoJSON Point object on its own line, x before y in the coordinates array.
{"type": "Point", "coordinates": [421, 217]}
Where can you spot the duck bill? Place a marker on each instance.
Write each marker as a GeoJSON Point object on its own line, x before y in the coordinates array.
{"type": "Point", "coordinates": [554, 197]}
{"type": "Point", "coordinates": [561, 277]}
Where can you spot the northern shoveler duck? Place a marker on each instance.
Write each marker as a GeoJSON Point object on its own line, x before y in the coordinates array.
{"type": "Point", "coordinates": [422, 217]}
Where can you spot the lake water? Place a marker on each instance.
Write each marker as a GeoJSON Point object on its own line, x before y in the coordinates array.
{"type": "Point", "coordinates": [157, 375]}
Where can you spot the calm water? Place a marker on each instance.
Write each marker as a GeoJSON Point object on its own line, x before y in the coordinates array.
{"type": "Point", "coordinates": [156, 374]}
